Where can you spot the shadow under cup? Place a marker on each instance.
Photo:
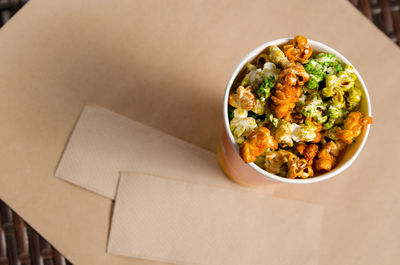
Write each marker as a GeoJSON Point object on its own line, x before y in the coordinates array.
{"type": "Point", "coordinates": [252, 175]}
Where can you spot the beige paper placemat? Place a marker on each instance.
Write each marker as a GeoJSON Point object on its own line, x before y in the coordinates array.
{"type": "Point", "coordinates": [104, 143]}
{"type": "Point", "coordinates": [165, 64]}
{"type": "Point", "coordinates": [186, 223]}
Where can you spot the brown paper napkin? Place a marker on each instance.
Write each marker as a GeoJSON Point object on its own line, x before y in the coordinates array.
{"type": "Point", "coordinates": [180, 222]}
{"type": "Point", "coordinates": [104, 143]}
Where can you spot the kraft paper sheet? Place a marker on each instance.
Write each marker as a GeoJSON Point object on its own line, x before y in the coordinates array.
{"type": "Point", "coordinates": [181, 222]}
{"type": "Point", "coordinates": [104, 143]}
{"type": "Point", "coordinates": [166, 64]}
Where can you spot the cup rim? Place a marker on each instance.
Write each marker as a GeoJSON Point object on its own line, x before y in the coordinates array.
{"type": "Point", "coordinates": [250, 56]}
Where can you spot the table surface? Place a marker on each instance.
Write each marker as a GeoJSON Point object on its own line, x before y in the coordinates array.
{"type": "Point", "coordinates": [28, 69]}
{"type": "Point", "coordinates": [21, 244]}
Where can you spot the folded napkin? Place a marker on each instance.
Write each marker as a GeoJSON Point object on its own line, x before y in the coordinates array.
{"type": "Point", "coordinates": [181, 222]}
{"type": "Point", "coordinates": [104, 143]}
{"type": "Point", "coordinates": [194, 215]}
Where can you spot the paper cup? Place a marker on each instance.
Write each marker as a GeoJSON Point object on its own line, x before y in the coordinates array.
{"type": "Point", "coordinates": [252, 175]}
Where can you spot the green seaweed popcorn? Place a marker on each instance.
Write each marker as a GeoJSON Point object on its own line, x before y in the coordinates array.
{"type": "Point", "coordinates": [316, 72]}
{"type": "Point", "coordinates": [265, 89]}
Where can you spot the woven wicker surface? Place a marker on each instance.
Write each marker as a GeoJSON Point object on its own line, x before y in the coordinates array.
{"type": "Point", "coordinates": [21, 245]}
{"type": "Point", "coordinates": [8, 8]}
{"type": "Point", "coordinates": [384, 13]}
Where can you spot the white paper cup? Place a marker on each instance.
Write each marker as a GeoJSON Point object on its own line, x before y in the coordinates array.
{"type": "Point", "coordinates": [252, 175]}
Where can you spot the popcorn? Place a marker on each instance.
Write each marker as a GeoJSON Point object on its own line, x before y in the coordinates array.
{"type": "Point", "coordinates": [241, 125]}
{"type": "Point", "coordinates": [352, 127]}
{"type": "Point", "coordinates": [285, 99]}
{"type": "Point", "coordinates": [243, 98]}
{"type": "Point", "coordinates": [327, 157]}
{"type": "Point", "coordinates": [296, 167]}
{"type": "Point", "coordinates": [257, 142]}
{"type": "Point", "coordinates": [298, 50]}
{"type": "Point", "coordinates": [293, 75]}
{"type": "Point", "coordinates": [308, 152]}
{"type": "Point", "coordinates": [259, 108]}
{"type": "Point", "coordinates": [291, 115]}
{"type": "Point", "coordinates": [277, 56]}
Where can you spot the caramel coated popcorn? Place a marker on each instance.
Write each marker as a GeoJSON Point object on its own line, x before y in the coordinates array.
{"type": "Point", "coordinates": [298, 50]}
{"type": "Point", "coordinates": [257, 142]}
{"type": "Point", "coordinates": [295, 112]}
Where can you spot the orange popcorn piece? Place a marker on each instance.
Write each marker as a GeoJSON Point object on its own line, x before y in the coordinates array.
{"type": "Point", "coordinates": [285, 99]}
{"type": "Point", "coordinates": [301, 148]}
{"type": "Point", "coordinates": [243, 98]}
{"type": "Point", "coordinates": [327, 156]}
{"type": "Point", "coordinates": [318, 135]}
{"type": "Point", "coordinates": [298, 50]}
{"type": "Point", "coordinates": [257, 142]}
{"type": "Point", "coordinates": [326, 161]}
{"type": "Point", "coordinates": [293, 75]}
{"type": "Point", "coordinates": [308, 152]}
{"type": "Point", "coordinates": [297, 168]}
{"type": "Point", "coordinates": [352, 126]}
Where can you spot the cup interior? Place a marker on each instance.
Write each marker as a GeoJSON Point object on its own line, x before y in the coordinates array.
{"type": "Point", "coordinates": [352, 150]}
